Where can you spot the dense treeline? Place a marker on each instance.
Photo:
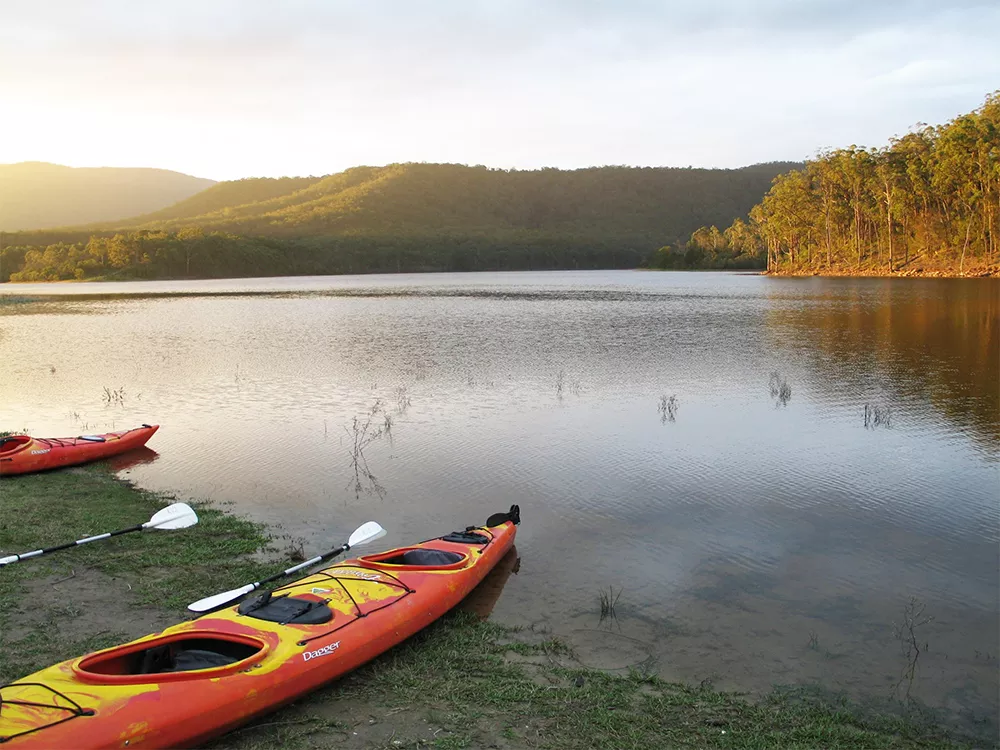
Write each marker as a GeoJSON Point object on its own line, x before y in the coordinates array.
{"type": "Point", "coordinates": [191, 253]}
{"type": "Point", "coordinates": [930, 199]}
{"type": "Point", "coordinates": [141, 254]}
{"type": "Point", "coordinates": [709, 248]}
{"type": "Point", "coordinates": [405, 217]}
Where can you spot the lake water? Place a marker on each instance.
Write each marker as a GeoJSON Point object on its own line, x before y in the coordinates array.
{"type": "Point", "coordinates": [769, 471]}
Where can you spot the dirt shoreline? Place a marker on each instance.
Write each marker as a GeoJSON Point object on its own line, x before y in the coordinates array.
{"type": "Point", "coordinates": [975, 272]}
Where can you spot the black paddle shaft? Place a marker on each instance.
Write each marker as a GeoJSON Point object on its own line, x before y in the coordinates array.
{"type": "Point", "coordinates": [308, 563]}
{"type": "Point", "coordinates": [37, 552]}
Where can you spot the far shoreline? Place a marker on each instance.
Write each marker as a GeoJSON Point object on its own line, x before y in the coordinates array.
{"type": "Point", "coordinates": [975, 273]}
{"type": "Point", "coordinates": [979, 271]}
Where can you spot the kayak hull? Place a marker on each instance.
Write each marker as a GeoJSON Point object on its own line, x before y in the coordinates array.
{"type": "Point", "coordinates": [375, 602]}
{"type": "Point", "coordinates": [22, 454]}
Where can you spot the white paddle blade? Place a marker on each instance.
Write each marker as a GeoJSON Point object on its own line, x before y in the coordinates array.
{"type": "Point", "coordinates": [366, 532]}
{"type": "Point", "coordinates": [212, 602]}
{"type": "Point", "coordinates": [176, 516]}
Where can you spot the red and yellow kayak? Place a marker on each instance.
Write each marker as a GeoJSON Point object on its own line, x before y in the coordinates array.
{"type": "Point", "coordinates": [22, 454]}
{"type": "Point", "coordinates": [204, 677]}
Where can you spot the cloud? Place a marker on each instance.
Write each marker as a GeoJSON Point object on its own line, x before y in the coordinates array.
{"type": "Point", "coordinates": [519, 83]}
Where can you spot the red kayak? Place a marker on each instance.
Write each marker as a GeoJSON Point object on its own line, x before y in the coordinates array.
{"type": "Point", "coordinates": [206, 676]}
{"type": "Point", "coordinates": [22, 454]}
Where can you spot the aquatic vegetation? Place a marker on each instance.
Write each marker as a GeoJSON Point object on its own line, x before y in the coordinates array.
{"type": "Point", "coordinates": [668, 409]}
{"type": "Point", "coordinates": [877, 416]}
{"type": "Point", "coordinates": [295, 549]}
{"type": "Point", "coordinates": [116, 396]}
{"type": "Point", "coordinates": [609, 600]}
{"type": "Point", "coordinates": [402, 399]}
{"type": "Point", "coordinates": [781, 391]}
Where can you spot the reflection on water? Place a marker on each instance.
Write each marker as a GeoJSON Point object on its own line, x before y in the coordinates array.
{"type": "Point", "coordinates": [130, 459]}
{"type": "Point", "coordinates": [769, 470]}
{"type": "Point", "coordinates": [484, 597]}
{"type": "Point", "coordinates": [920, 343]}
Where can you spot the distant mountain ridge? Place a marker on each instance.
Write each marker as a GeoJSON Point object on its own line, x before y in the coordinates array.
{"type": "Point", "coordinates": [658, 203]}
{"type": "Point", "coordinates": [40, 195]}
{"type": "Point", "coordinates": [405, 217]}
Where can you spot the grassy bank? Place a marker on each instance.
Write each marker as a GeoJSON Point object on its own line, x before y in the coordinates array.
{"type": "Point", "coordinates": [461, 683]}
{"type": "Point", "coordinates": [60, 605]}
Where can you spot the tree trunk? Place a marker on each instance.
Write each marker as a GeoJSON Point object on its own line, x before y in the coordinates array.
{"type": "Point", "coordinates": [968, 229]}
{"type": "Point", "coordinates": [829, 248]}
{"type": "Point", "coordinates": [888, 219]}
{"type": "Point", "coordinates": [906, 247]}
{"type": "Point", "coordinates": [857, 231]}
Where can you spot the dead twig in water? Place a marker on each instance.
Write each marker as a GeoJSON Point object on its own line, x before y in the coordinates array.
{"type": "Point", "coordinates": [906, 634]}
{"type": "Point", "coordinates": [374, 426]}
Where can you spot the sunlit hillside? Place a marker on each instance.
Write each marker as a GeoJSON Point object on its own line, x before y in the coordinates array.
{"type": "Point", "coordinates": [224, 197]}
{"type": "Point", "coordinates": [659, 203]}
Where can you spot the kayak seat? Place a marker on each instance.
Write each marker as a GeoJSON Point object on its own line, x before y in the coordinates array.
{"type": "Point", "coordinates": [286, 610]}
{"type": "Point", "coordinates": [201, 653]}
{"type": "Point", "coordinates": [416, 558]}
{"type": "Point", "coordinates": [424, 557]}
{"type": "Point", "coordinates": [171, 657]}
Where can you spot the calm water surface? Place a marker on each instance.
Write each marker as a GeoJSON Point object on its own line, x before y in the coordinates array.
{"type": "Point", "coordinates": [759, 535]}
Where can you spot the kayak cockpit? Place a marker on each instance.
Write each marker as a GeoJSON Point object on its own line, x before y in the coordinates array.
{"type": "Point", "coordinates": [417, 558]}
{"type": "Point", "coordinates": [13, 443]}
{"type": "Point", "coordinates": [188, 655]}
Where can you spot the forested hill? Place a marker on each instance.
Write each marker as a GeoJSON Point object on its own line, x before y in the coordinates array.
{"type": "Point", "coordinates": [927, 203]}
{"type": "Point", "coordinates": [402, 217]}
{"type": "Point", "coordinates": [655, 204]}
{"type": "Point", "coordinates": [38, 195]}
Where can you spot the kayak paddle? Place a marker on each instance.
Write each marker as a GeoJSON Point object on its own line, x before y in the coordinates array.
{"type": "Point", "coordinates": [176, 516]}
{"type": "Point", "coordinates": [367, 532]}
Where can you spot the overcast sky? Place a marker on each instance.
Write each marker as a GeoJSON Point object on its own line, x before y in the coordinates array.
{"type": "Point", "coordinates": [241, 88]}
